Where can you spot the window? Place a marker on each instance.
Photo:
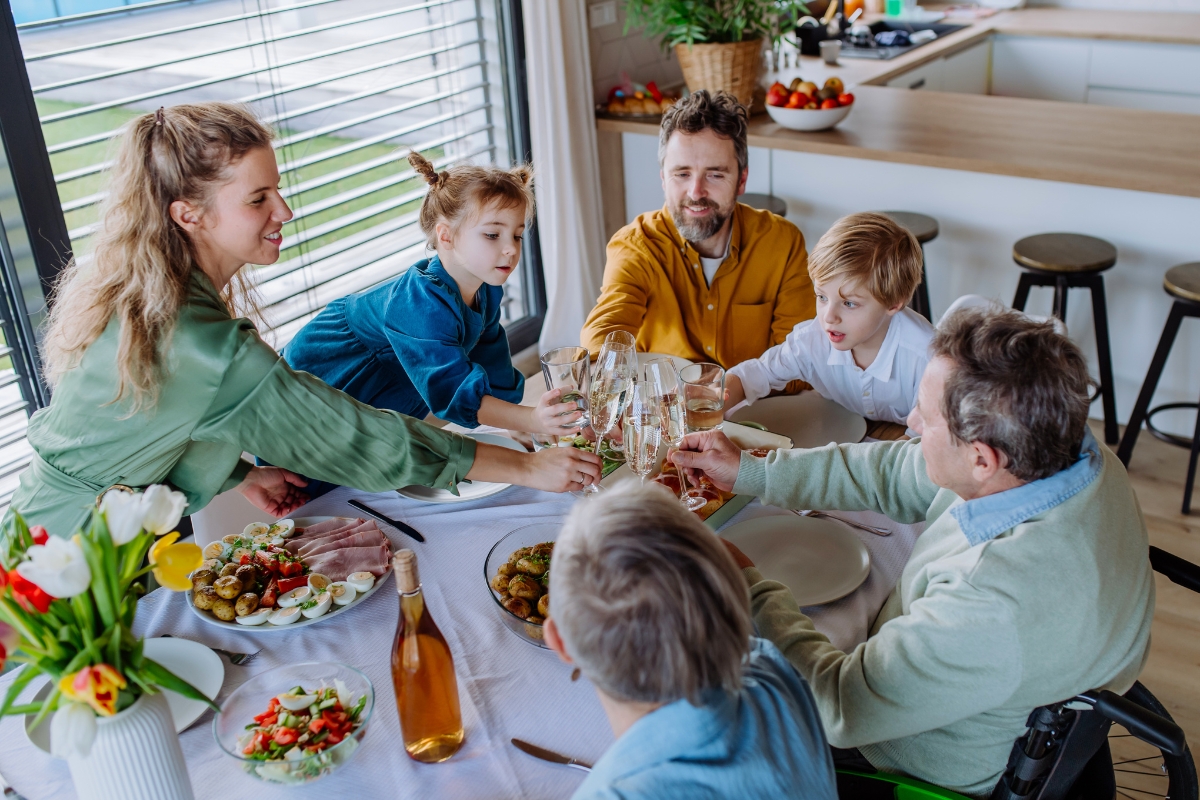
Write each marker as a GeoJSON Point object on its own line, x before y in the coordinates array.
{"type": "Point", "coordinates": [349, 86]}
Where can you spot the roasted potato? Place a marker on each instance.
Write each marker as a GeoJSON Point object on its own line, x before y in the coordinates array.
{"type": "Point", "coordinates": [248, 576]}
{"type": "Point", "coordinates": [534, 619]}
{"type": "Point", "coordinates": [524, 586]}
{"type": "Point", "coordinates": [543, 606]}
{"type": "Point", "coordinates": [224, 610]}
{"type": "Point", "coordinates": [500, 583]}
{"type": "Point", "coordinates": [247, 602]}
{"type": "Point", "coordinates": [506, 569]}
{"type": "Point", "coordinates": [519, 554]}
{"type": "Point", "coordinates": [543, 550]}
{"type": "Point", "coordinates": [203, 577]}
{"type": "Point", "coordinates": [228, 587]}
{"type": "Point", "coordinates": [518, 606]}
{"type": "Point", "coordinates": [204, 597]}
{"type": "Point", "coordinates": [533, 565]}
{"type": "Point", "coordinates": [229, 569]}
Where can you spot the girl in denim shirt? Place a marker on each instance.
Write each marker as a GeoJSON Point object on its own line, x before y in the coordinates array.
{"type": "Point", "coordinates": [430, 340]}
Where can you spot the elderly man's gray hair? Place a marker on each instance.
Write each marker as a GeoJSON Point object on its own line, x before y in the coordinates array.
{"type": "Point", "coordinates": [1014, 384]}
{"type": "Point", "coordinates": [647, 600]}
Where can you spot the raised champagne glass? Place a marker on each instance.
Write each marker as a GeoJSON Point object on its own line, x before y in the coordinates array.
{"type": "Point", "coordinates": [611, 376]}
{"type": "Point", "coordinates": [665, 387]}
{"type": "Point", "coordinates": [642, 431]}
{"type": "Point", "coordinates": [627, 340]}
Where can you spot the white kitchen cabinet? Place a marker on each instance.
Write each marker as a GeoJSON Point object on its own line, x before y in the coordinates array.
{"type": "Point", "coordinates": [1145, 66]}
{"type": "Point", "coordinates": [1149, 101]}
{"type": "Point", "coordinates": [967, 71]}
{"type": "Point", "coordinates": [927, 77]}
{"type": "Point", "coordinates": [1041, 68]}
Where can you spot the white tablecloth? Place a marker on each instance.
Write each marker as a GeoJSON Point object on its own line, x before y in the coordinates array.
{"type": "Point", "coordinates": [508, 687]}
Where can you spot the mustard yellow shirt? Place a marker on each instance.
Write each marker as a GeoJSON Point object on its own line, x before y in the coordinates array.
{"type": "Point", "coordinates": [654, 288]}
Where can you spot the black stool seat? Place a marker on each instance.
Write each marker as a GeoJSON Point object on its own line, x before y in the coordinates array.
{"type": "Point", "coordinates": [1068, 261]}
{"type": "Point", "coordinates": [925, 228]}
{"type": "Point", "coordinates": [922, 226]}
{"type": "Point", "coordinates": [765, 202]}
{"type": "Point", "coordinates": [1182, 283]}
{"type": "Point", "coordinates": [1064, 252]}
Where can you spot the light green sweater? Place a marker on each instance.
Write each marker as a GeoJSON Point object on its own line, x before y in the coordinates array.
{"type": "Point", "coordinates": [973, 637]}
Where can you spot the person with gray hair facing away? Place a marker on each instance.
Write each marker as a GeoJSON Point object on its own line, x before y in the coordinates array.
{"type": "Point", "coordinates": [651, 609]}
{"type": "Point", "coordinates": [1030, 583]}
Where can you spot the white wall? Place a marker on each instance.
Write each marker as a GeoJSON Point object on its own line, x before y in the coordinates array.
{"type": "Point", "coordinates": [614, 52]}
{"type": "Point", "coordinates": [981, 216]}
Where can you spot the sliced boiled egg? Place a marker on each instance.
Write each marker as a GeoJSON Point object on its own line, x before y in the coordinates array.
{"type": "Point", "coordinates": [237, 554]}
{"type": "Point", "coordinates": [284, 528]}
{"type": "Point", "coordinates": [323, 602]}
{"type": "Point", "coordinates": [285, 616]}
{"type": "Point", "coordinates": [216, 550]}
{"type": "Point", "coordinates": [276, 541]}
{"type": "Point", "coordinates": [256, 617]}
{"type": "Point", "coordinates": [296, 702]}
{"type": "Point", "coordinates": [230, 539]}
{"type": "Point", "coordinates": [295, 597]}
{"type": "Point", "coordinates": [343, 593]}
{"type": "Point", "coordinates": [255, 529]}
{"type": "Point", "coordinates": [318, 582]}
{"type": "Point", "coordinates": [361, 581]}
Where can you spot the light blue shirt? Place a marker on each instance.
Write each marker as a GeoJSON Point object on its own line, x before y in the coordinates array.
{"type": "Point", "coordinates": [985, 518]}
{"type": "Point", "coordinates": [764, 742]}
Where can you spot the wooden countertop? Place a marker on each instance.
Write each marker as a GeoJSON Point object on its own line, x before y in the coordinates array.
{"type": "Point", "coordinates": [1071, 142]}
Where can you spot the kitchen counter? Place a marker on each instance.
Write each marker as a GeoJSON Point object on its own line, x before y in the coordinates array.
{"type": "Point", "coordinates": [1071, 142]}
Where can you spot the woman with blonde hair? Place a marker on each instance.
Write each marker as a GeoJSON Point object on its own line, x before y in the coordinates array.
{"type": "Point", "coordinates": [157, 379]}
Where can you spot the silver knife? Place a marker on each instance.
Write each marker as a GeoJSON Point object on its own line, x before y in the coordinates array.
{"type": "Point", "coordinates": [550, 755]}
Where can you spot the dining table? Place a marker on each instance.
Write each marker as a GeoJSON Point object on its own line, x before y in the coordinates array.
{"type": "Point", "coordinates": [507, 686]}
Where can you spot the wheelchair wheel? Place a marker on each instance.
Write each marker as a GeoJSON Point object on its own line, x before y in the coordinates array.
{"type": "Point", "coordinates": [1141, 770]}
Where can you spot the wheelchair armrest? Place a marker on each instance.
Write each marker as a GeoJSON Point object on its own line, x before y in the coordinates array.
{"type": "Point", "coordinates": [1178, 570]}
{"type": "Point", "coordinates": [1141, 722]}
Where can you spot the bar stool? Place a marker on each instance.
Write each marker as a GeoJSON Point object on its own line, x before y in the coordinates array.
{"type": "Point", "coordinates": [765, 202]}
{"type": "Point", "coordinates": [1182, 283]}
{"type": "Point", "coordinates": [1068, 261]}
{"type": "Point", "coordinates": [925, 228]}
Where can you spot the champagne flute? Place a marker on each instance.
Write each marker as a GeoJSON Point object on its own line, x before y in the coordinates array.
{"type": "Point", "coordinates": [666, 388]}
{"type": "Point", "coordinates": [610, 381]}
{"type": "Point", "coordinates": [642, 430]}
{"type": "Point", "coordinates": [623, 339]}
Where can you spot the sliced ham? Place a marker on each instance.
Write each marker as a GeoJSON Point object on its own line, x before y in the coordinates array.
{"type": "Point", "coordinates": [341, 562]}
{"type": "Point", "coordinates": [296, 544]}
{"type": "Point", "coordinates": [328, 525]}
{"type": "Point", "coordinates": [365, 538]}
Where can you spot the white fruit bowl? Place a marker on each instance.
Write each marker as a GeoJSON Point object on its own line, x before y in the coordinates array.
{"type": "Point", "coordinates": [812, 119]}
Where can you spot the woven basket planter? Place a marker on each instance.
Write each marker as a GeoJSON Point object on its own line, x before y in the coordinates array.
{"type": "Point", "coordinates": [732, 67]}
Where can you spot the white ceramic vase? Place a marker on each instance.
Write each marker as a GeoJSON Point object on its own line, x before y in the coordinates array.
{"type": "Point", "coordinates": [135, 756]}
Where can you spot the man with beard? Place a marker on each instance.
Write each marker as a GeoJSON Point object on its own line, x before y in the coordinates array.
{"type": "Point", "coordinates": [705, 278]}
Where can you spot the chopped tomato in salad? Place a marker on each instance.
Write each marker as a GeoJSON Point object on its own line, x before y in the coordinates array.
{"type": "Point", "coordinates": [298, 723]}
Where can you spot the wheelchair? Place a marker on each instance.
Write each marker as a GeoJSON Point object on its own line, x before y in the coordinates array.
{"type": "Point", "coordinates": [1095, 746]}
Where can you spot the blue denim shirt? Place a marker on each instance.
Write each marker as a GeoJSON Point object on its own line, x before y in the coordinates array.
{"type": "Point", "coordinates": [765, 742]}
{"type": "Point", "coordinates": [985, 518]}
{"type": "Point", "coordinates": [413, 345]}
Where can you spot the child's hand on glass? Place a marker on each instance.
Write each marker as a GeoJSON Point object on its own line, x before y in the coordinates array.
{"type": "Point", "coordinates": [734, 393]}
{"type": "Point", "coordinates": [555, 417]}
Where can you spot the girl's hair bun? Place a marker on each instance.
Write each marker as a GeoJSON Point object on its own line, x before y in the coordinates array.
{"type": "Point", "coordinates": [426, 170]}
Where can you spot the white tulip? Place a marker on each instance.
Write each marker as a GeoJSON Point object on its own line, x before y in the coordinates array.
{"type": "Point", "coordinates": [57, 568]}
{"type": "Point", "coordinates": [72, 731]}
{"type": "Point", "coordinates": [123, 511]}
{"type": "Point", "coordinates": [162, 509]}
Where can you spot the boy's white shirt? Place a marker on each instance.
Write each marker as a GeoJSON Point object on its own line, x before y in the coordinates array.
{"type": "Point", "coordinates": [886, 390]}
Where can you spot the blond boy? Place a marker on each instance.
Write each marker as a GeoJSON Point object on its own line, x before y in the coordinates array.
{"type": "Point", "coordinates": [865, 350]}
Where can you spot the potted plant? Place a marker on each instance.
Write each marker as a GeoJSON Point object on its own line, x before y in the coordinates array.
{"type": "Point", "coordinates": [67, 608]}
{"type": "Point", "coordinates": [718, 42]}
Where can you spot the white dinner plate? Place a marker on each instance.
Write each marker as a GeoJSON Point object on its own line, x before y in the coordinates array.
{"type": "Point", "coordinates": [191, 661]}
{"type": "Point", "coordinates": [808, 419]}
{"type": "Point", "coordinates": [266, 627]}
{"type": "Point", "coordinates": [819, 560]}
{"type": "Point", "coordinates": [466, 491]}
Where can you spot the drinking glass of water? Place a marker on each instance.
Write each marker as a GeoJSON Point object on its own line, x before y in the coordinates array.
{"type": "Point", "coordinates": [569, 369]}
{"type": "Point", "coordinates": [704, 393]}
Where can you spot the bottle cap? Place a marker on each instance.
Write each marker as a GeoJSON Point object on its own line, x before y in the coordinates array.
{"type": "Point", "coordinates": [405, 565]}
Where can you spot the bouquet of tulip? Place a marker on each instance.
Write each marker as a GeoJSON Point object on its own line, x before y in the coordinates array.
{"type": "Point", "coordinates": [67, 608]}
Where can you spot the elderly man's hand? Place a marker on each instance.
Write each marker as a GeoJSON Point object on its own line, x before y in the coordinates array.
{"type": "Point", "coordinates": [712, 454]}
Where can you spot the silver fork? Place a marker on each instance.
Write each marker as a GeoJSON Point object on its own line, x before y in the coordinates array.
{"type": "Point", "coordinates": [859, 525]}
{"type": "Point", "coordinates": [237, 659]}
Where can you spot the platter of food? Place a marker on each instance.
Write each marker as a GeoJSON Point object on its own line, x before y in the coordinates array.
{"type": "Point", "coordinates": [290, 573]}
{"type": "Point", "coordinates": [467, 490]}
{"type": "Point", "coordinates": [807, 418]}
{"type": "Point", "coordinates": [517, 571]}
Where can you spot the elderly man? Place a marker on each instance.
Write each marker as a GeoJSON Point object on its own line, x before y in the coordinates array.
{"type": "Point", "coordinates": [1030, 584]}
{"type": "Point", "coordinates": [705, 277]}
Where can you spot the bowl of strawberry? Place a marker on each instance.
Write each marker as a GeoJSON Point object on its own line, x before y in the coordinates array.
{"type": "Point", "coordinates": [296, 723]}
{"type": "Point", "coordinates": [803, 107]}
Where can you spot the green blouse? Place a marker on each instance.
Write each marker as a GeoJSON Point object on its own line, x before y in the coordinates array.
{"type": "Point", "coordinates": [226, 391]}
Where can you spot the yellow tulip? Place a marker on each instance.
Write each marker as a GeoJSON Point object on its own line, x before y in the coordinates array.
{"type": "Point", "coordinates": [98, 686]}
{"type": "Point", "coordinates": [174, 562]}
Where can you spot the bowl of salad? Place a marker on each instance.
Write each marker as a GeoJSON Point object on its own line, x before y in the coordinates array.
{"type": "Point", "coordinates": [296, 723]}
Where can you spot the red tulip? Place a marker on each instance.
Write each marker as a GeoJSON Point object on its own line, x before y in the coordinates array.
{"type": "Point", "coordinates": [40, 534]}
{"type": "Point", "coordinates": [30, 596]}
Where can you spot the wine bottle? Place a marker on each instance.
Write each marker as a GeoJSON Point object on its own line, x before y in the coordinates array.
{"type": "Point", "coordinates": [423, 673]}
